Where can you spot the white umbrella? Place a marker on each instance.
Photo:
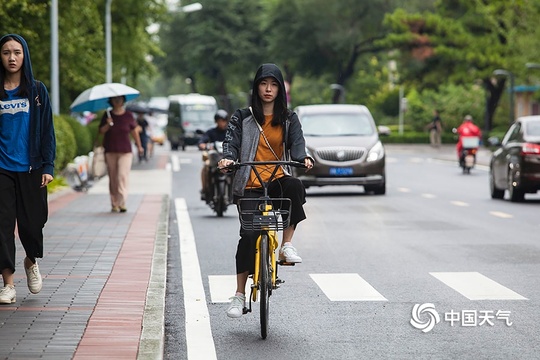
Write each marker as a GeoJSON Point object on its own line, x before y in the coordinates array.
{"type": "Point", "coordinates": [97, 97]}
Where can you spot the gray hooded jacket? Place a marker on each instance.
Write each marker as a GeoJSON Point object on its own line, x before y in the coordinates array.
{"type": "Point", "coordinates": [242, 138]}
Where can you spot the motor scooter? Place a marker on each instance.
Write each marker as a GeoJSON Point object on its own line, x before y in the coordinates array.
{"type": "Point", "coordinates": [219, 193]}
{"type": "Point", "coordinates": [467, 158]}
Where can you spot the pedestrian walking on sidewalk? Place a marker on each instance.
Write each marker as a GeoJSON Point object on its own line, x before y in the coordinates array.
{"type": "Point", "coordinates": [27, 153]}
{"type": "Point", "coordinates": [116, 125]}
{"type": "Point", "coordinates": [435, 129]}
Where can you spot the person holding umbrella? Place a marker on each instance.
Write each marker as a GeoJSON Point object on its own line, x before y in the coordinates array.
{"type": "Point", "coordinates": [116, 126]}
{"type": "Point", "coordinates": [27, 153]}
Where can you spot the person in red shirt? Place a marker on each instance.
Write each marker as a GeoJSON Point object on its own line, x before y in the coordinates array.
{"type": "Point", "coordinates": [467, 128]}
{"type": "Point", "coordinates": [116, 126]}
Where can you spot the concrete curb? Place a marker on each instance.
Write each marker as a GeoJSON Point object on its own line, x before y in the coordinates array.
{"type": "Point", "coordinates": [151, 345]}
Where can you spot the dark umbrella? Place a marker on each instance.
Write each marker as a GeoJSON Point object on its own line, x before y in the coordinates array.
{"type": "Point", "coordinates": [138, 108]}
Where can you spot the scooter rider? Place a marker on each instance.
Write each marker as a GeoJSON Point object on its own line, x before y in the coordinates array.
{"type": "Point", "coordinates": [206, 141]}
{"type": "Point", "coordinates": [467, 128]}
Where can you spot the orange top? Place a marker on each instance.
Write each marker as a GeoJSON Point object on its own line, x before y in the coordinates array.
{"type": "Point", "coordinates": [274, 134]}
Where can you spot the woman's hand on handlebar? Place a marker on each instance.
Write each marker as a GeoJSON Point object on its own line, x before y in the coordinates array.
{"type": "Point", "coordinates": [308, 163]}
{"type": "Point", "coordinates": [223, 163]}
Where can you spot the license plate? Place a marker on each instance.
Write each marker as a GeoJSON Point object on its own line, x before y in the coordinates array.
{"type": "Point", "coordinates": [341, 171]}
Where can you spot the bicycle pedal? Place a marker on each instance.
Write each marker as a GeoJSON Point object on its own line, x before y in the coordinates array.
{"type": "Point", "coordinates": [285, 263]}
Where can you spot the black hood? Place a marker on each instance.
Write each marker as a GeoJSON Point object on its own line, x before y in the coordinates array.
{"type": "Point", "coordinates": [264, 71]}
{"type": "Point", "coordinates": [27, 64]}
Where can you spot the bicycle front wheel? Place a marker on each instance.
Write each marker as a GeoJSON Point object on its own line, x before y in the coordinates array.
{"type": "Point", "coordinates": [265, 284]}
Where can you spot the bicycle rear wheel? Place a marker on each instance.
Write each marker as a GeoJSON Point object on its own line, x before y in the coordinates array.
{"type": "Point", "coordinates": [265, 283]}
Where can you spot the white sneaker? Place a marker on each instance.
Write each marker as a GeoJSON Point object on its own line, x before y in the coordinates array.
{"type": "Point", "coordinates": [8, 295]}
{"type": "Point", "coordinates": [236, 308]}
{"type": "Point", "coordinates": [33, 279]}
{"type": "Point", "coordinates": [289, 254]}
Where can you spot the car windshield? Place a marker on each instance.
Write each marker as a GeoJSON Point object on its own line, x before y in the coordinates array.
{"type": "Point", "coordinates": [336, 125]}
{"type": "Point", "coordinates": [533, 128]}
{"type": "Point", "coordinates": [198, 115]}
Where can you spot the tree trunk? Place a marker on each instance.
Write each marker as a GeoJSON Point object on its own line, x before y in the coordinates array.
{"type": "Point", "coordinates": [494, 90]}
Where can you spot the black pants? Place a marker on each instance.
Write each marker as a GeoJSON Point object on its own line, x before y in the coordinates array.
{"type": "Point", "coordinates": [284, 187]}
{"type": "Point", "coordinates": [22, 201]}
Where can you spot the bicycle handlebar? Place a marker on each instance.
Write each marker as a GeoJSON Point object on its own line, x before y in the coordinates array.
{"type": "Point", "coordinates": [235, 165]}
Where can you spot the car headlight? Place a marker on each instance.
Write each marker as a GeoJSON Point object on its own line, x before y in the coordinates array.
{"type": "Point", "coordinates": [376, 152]}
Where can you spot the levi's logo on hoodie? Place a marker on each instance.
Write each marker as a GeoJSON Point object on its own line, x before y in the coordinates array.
{"type": "Point", "coordinates": [14, 106]}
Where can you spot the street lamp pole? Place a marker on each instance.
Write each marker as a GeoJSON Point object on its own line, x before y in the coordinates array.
{"type": "Point", "coordinates": [510, 75]}
{"type": "Point", "coordinates": [55, 87]}
{"type": "Point", "coordinates": [108, 42]}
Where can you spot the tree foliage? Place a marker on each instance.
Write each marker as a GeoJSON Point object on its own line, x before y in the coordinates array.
{"type": "Point", "coordinates": [218, 48]}
{"type": "Point", "coordinates": [463, 42]}
{"type": "Point", "coordinates": [81, 40]}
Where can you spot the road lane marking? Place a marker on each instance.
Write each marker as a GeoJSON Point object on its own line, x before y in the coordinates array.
{"type": "Point", "coordinates": [175, 163]}
{"type": "Point", "coordinates": [222, 287]}
{"type": "Point", "coordinates": [501, 214]}
{"type": "Point", "coordinates": [475, 286]}
{"type": "Point", "coordinates": [346, 287]}
{"type": "Point", "coordinates": [199, 340]}
{"type": "Point", "coordinates": [404, 190]}
{"type": "Point", "coordinates": [429, 196]}
{"type": "Point", "coordinates": [459, 203]}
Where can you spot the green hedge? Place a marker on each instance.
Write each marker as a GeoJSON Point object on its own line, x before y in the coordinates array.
{"type": "Point", "coordinates": [66, 146]}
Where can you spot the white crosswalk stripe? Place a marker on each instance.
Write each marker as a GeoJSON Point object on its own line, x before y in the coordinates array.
{"type": "Point", "coordinates": [222, 287]}
{"type": "Point", "coordinates": [475, 286]}
{"type": "Point", "coordinates": [352, 287]}
{"type": "Point", "coordinates": [346, 287]}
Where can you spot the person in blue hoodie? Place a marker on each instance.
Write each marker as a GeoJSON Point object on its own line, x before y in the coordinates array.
{"type": "Point", "coordinates": [27, 153]}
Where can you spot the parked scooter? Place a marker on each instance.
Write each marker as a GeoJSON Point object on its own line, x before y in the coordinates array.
{"type": "Point", "coordinates": [219, 193]}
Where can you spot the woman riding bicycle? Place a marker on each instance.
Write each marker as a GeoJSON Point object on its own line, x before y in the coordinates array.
{"type": "Point", "coordinates": [266, 131]}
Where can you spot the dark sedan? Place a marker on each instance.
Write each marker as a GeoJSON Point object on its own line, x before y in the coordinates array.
{"type": "Point", "coordinates": [515, 165]}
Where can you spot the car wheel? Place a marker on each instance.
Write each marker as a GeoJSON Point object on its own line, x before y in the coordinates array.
{"type": "Point", "coordinates": [495, 193]}
{"type": "Point", "coordinates": [516, 194]}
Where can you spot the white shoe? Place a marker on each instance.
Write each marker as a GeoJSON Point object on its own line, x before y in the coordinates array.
{"type": "Point", "coordinates": [236, 308]}
{"type": "Point", "coordinates": [8, 295]}
{"type": "Point", "coordinates": [33, 279]}
{"type": "Point", "coordinates": [288, 254]}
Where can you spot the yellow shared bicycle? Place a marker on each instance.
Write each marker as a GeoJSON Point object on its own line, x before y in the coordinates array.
{"type": "Point", "coordinates": [268, 216]}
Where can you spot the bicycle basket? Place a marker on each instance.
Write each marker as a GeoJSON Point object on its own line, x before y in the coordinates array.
{"type": "Point", "coordinates": [252, 217]}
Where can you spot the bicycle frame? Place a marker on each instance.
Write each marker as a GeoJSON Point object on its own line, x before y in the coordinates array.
{"type": "Point", "coordinates": [273, 244]}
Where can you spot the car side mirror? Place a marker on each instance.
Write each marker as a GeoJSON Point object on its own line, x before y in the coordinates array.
{"type": "Point", "coordinates": [494, 141]}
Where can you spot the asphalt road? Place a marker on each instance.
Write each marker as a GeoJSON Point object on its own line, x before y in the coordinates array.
{"type": "Point", "coordinates": [436, 251]}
